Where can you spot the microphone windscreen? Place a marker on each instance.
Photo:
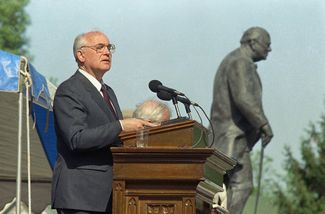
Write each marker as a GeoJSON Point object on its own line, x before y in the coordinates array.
{"type": "Point", "coordinates": [153, 85]}
{"type": "Point", "coordinates": [163, 95]}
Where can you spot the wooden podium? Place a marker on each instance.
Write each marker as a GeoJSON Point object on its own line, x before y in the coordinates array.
{"type": "Point", "coordinates": [162, 177]}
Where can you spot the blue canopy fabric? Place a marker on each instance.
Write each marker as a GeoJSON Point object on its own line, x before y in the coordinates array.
{"type": "Point", "coordinates": [40, 91]}
{"type": "Point", "coordinates": [9, 72]}
{"type": "Point", "coordinates": [40, 96]}
{"type": "Point", "coordinates": [46, 132]}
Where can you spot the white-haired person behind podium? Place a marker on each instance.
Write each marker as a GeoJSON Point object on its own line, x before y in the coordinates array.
{"type": "Point", "coordinates": [153, 110]}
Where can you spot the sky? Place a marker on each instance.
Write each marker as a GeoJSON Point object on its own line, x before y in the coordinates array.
{"type": "Point", "coordinates": [182, 42]}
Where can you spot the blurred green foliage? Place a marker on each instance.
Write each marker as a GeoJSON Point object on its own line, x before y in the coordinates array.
{"type": "Point", "coordinates": [13, 23]}
{"type": "Point", "coordinates": [304, 189]}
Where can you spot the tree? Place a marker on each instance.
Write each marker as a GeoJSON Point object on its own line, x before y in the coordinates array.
{"type": "Point", "coordinates": [13, 23]}
{"type": "Point", "coordinates": [304, 191]}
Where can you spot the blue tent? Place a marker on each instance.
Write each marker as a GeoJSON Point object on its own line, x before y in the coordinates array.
{"type": "Point", "coordinates": [18, 77]}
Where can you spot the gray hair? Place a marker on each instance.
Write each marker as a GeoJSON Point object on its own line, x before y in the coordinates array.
{"type": "Point", "coordinates": [153, 110]}
{"type": "Point", "coordinates": [253, 33]}
{"type": "Point", "coordinates": [80, 41]}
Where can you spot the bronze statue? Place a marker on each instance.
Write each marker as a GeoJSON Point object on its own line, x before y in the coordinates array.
{"type": "Point", "coordinates": [237, 114]}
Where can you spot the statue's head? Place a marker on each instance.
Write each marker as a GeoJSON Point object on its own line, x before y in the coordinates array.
{"type": "Point", "coordinates": [258, 40]}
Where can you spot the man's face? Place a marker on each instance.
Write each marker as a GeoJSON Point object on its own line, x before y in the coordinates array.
{"type": "Point", "coordinates": [262, 47]}
{"type": "Point", "coordinates": [97, 58]}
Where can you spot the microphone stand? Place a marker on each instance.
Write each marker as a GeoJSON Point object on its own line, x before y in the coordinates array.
{"type": "Point", "coordinates": [188, 110]}
{"type": "Point", "coordinates": [176, 106]}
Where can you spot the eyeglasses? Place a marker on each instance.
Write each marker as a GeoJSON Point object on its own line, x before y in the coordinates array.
{"type": "Point", "coordinates": [101, 48]}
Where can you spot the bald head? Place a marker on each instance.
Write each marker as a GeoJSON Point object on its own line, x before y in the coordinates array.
{"type": "Point", "coordinates": [253, 33]}
{"type": "Point", "coordinates": [256, 42]}
{"type": "Point", "coordinates": [153, 110]}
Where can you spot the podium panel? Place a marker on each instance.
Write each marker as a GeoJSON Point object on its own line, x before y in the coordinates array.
{"type": "Point", "coordinates": [170, 174]}
{"type": "Point", "coordinates": [157, 180]}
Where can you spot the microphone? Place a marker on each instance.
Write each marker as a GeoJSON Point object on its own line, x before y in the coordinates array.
{"type": "Point", "coordinates": [167, 96]}
{"type": "Point", "coordinates": [185, 100]}
{"type": "Point", "coordinates": [156, 86]}
{"type": "Point", "coordinates": [164, 95]}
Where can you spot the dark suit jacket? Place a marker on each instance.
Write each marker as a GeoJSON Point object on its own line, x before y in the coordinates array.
{"type": "Point", "coordinates": [85, 128]}
{"type": "Point", "coordinates": [237, 111]}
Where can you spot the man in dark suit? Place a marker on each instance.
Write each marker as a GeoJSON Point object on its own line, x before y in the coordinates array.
{"type": "Point", "coordinates": [88, 121]}
{"type": "Point", "coordinates": [237, 114]}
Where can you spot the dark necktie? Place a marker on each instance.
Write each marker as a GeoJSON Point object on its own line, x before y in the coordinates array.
{"type": "Point", "coordinates": [108, 101]}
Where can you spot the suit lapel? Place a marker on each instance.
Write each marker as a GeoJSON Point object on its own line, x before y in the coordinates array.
{"type": "Point", "coordinates": [95, 95]}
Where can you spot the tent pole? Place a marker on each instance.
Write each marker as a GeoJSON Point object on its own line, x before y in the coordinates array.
{"type": "Point", "coordinates": [28, 152]}
{"type": "Point", "coordinates": [18, 178]}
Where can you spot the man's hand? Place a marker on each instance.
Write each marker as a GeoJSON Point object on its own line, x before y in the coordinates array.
{"type": "Point", "coordinates": [267, 134]}
{"type": "Point", "coordinates": [133, 124]}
